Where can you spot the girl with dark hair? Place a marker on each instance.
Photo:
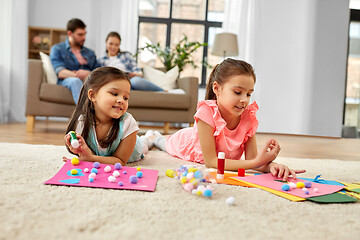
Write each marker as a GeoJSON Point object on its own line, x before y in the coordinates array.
{"type": "Point", "coordinates": [226, 122]}
{"type": "Point", "coordinates": [106, 132]}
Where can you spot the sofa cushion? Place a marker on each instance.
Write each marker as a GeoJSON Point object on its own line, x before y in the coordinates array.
{"type": "Point", "coordinates": [55, 93]}
{"type": "Point", "coordinates": [166, 81]}
{"type": "Point", "coordinates": [148, 99]}
{"type": "Point", "coordinates": [48, 68]}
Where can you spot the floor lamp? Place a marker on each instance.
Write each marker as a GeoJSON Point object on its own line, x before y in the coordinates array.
{"type": "Point", "coordinates": [225, 44]}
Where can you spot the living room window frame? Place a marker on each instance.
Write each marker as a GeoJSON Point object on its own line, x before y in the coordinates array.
{"type": "Point", "coordinates": [170, 20]}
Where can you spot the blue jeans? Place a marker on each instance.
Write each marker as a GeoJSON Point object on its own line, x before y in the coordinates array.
{"type": "Point", "coordinates": [139, 83]}
{"type": "Point", "coordinates": [74, 85]}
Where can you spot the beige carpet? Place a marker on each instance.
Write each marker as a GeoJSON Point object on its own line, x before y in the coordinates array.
{"type": "Point", "coordinates": [31, 210]}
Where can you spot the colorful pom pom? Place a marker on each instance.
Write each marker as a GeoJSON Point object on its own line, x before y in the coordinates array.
{"type": "Point", "coordinates": [86, 170]}
{"type": "Point", "coordinates": [118, 166]}
{"type": "Point", "coordinates": [94, 170]}
{"type": "Point", "coordinates": [75, 161]}
{"type": "Point", "coordinates": [138, 169]}
{"type": "Point", "coordinates": [120, 184]}
{"type": "Point", "coordinates": [139, 174]}
{"type": "Point", "coordinates": [285, 187]}
{"type": "Point", "coordinates": [308, 184]}
{"type": "Point", "coordinates": [133, 179]}
{"type": "Point", "coordinates": [230, 201]}
{"type": "Point", "coordinates": [300, 185]}
{"type": "Point", "coordinates": [207, 193]}
{"type": "Point", "coordinates": [111, 179]}
{"type": "Point", "coordinates": [74, 171]}
{"type": "Point", "coordinates": [91, 180]}
{"type": "Point", "coordinates": [96, 165]}
{"type": "Point", "coordinates": [116, 174]}
{"type": "Point", "coordinates": [107, 169]}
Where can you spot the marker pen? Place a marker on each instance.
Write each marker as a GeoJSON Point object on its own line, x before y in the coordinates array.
{"type": "Point", "coordinates": [73, 140]}
{"type": "Point", "coordinates": [221, 165]}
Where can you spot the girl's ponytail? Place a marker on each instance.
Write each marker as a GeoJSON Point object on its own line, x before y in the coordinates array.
{"type": "Point", "coordinates": [210, 95]}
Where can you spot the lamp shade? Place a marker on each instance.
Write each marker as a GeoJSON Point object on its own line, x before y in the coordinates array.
{"type": "Point", "coordinates": [225, 45]}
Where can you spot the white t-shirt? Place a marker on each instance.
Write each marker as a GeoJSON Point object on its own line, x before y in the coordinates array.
{"type": "Point", "coordinates": [116, 62]}
{"type": "Point", "coordinates": [129, 127]}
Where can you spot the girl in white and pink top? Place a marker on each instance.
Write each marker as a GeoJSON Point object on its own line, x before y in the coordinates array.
{"type": "Point", "coordinates": [226, 122]}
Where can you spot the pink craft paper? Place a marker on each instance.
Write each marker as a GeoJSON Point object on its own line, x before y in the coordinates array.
{"type": "Point", "coordinates": [146, 183]}
{"type": "Point", "coordinates": [268, 180]}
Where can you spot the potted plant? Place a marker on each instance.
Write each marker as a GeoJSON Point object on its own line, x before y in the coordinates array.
{"type": "Point", "coordinates": [180, 55]}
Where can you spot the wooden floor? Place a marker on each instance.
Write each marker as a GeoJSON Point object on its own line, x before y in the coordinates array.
{"type": "Point", "coordinates": [50, 132]}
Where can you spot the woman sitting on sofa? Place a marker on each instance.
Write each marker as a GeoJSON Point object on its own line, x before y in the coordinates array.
{"type": "Point", "coordinates": [125, 62]}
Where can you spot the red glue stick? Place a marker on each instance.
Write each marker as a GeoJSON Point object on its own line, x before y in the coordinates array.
{"type": "Point", "coordinates": [221, 165]}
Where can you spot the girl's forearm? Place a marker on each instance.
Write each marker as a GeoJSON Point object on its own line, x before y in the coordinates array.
{"type": "Point", "coordinates": [233, 165]}
{"type": "Point", "coordinates": [111, 160]}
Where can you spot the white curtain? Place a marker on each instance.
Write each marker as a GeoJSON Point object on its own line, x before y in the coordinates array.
{"type": "Point", "coordinates": [241, 18]}
{"type": "Point", "coordinates": [13, 67]}
{"type": "Point", "coordinates": [113, 15]}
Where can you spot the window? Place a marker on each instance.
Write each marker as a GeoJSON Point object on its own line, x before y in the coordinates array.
{"type": "Point", "coordinates": [166, 21]}
{"type": "Point", "coordinates": [352, 99]}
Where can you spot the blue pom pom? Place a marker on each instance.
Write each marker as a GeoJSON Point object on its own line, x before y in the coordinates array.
{"type": "Point", "coordinates": [198, 175]}
{"type": "Point", "coordinates": [207, 193]}
{"type": "Point", "coordinates": [94, 170]}
{"type": "Point", "coordinates": [120, 184]}
{"type": "Point", "coordinates": [124, 172]}
{"type": "Point", "coordinates": [133, 179]}
{"type": "Point", "coordinates": [91, 179]}
{"type": "Point", "coordinates": [285, 187]}
{"type": "Point", "coordinates": [96, 164]}
{"type": "Point", "coordinates": [118, 166]}
{"type": "Point", "coordinates": [139, 174]}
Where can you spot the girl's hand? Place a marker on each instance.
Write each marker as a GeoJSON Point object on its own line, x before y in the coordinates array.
{"type": "Point", "coordinates": [269, 153]}
{"type": "Point", "coordinates": [68, 144]}
{"type": "Point", "coordinates": [283, 171]}
{"type": "Point", "coordinates": [84, 152]}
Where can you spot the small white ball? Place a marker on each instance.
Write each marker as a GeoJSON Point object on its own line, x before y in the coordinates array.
{"type": "Point", "coordinates": [116, 174]}
{"type": "Point", "coordinates": [111, 179]}
{"type": "Point", "coordinates": [230, 201]}
{"type": "Point", "coordinates": [201, 188]}
{"type": "Point", "coordinates": [194, 191]}
{"type": "Point", "coordinates": [304, 189]}
{"type": "Point", "coordinates": [92, 175]}
{"type": "Point", "coordinates": [86, 170]}
{"type": "Point", "coordinates": [316, 190]}
{"type": "Point", "coordinates": [292, 185]}
{"type": "Point", "coordinates": [107, 169]}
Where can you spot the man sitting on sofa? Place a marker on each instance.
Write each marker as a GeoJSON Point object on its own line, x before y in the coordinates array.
{"type": "Point", "coordinates": [71, 60]}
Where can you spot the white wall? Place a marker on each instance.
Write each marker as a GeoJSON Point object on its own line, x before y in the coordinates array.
{"type": "Point", "coordinates": [300, 61]}
{"type": "Point", "coordinates": [56, 14]}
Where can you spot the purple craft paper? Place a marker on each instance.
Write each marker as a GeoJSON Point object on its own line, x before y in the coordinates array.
{"type": "Point", "coordinates": [146, 183]}
{"type": "Point", "coordinates": [268, 180]}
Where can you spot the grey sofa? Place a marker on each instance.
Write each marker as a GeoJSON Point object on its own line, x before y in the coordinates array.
{"type": "Point", "coordinates": [50, 100]}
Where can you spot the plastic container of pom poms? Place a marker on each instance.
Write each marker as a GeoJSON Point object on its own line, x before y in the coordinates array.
{"type": "Point", "coordinates": [193, 179]}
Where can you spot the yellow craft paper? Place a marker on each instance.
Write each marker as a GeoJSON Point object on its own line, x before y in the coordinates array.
{"type": "Point", "coordinates": [276, 192]}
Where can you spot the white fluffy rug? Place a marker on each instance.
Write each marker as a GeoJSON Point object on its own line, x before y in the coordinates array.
{"type": "Point", "coordinates": [31, 210]}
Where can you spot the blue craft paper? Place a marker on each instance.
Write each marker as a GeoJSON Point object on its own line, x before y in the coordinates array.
{"type": "Point", "coordinates": [322, 181]}
{"type": "Point", "coordinates": [71, 180]}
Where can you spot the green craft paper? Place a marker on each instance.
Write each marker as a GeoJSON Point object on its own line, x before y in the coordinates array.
{"type": "Point", "coordinates": [357, 190]}
{"type": "Point", "coordinates": [332, 198]}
